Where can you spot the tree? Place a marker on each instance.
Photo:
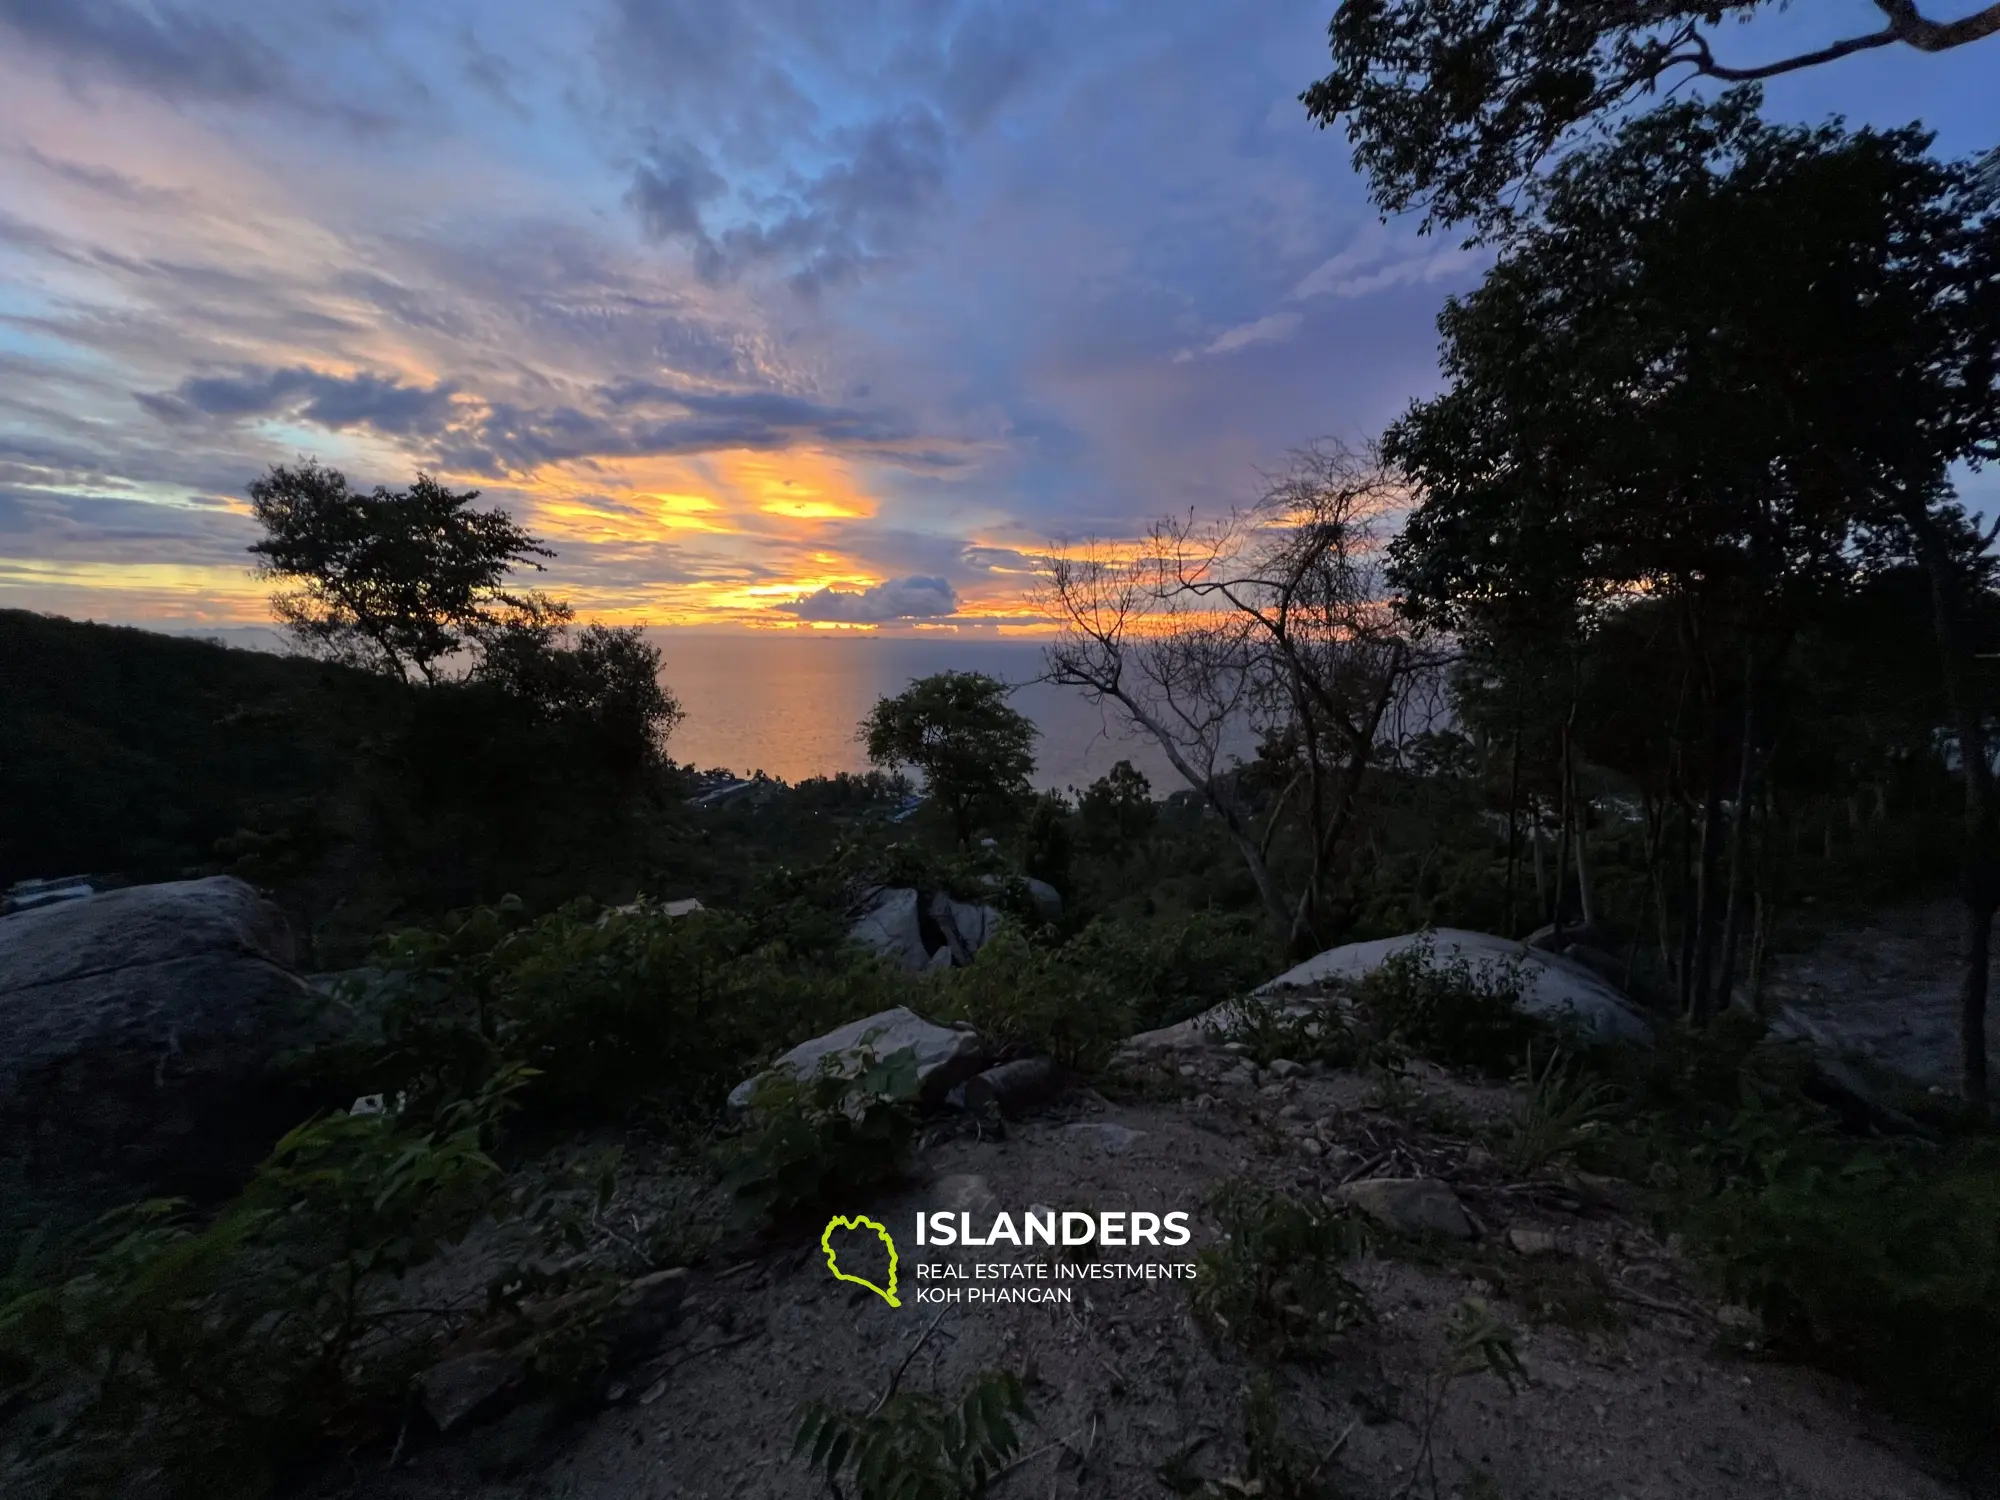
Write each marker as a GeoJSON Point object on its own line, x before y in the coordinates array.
{"type": "Point", "coordinates": [396, 581]}
{"type": "Point", "coordinates": [1271, 617]}
{"type": "Point", "coordinates": [1117, 810]}
{"type": "Point", "coordinates": [1721, 358]}
{"type": "Point", "coordinates": [607, 677]}
{"type": "Point", "coordinates": [1450, 103]}
{"type": "Point", "coordinates": [975, 751]}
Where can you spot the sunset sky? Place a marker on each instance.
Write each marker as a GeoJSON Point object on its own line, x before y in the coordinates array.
{"type": "Point", "coordinates": [763, 312]}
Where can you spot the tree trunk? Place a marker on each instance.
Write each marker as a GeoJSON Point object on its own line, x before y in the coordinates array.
{"type": "Point", "coordinates": [1979, 865]}
{"type": "Point", "coordinates": [1513, 832]}
{"type": "Point", "coordinates": [1701, 996]}
{"type": "Point", "coordinates": [1739, 833]}
{"type": "Point", "coordinates": [1535, 846]}
{"type": "Point", "coordinates": [1586, 893]}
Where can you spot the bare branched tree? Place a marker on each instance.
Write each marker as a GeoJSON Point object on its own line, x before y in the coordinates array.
{"type": "Point", "coordinates": [1275, 619]}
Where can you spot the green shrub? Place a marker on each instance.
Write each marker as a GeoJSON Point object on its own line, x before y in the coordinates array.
{"type": "Point", "coordinates": [221, 1349]}
{"type": "Point", "coordinates": [1274, 1286]}
{"type": "Point", "coordinates": [824, 1138]}
{"type": "Point", "coordinates": [1041, 999]}
{"type": "Point", "coordinates": [916, 1447]}
{"type": "Point", "coordinates": [1882, 1264]}
{"type": "Point", "coordinates": [1562, 1108]}
{"type": "Point", "coordinates": [1453, 1012]}
{"type": "Point", "coordinates": [612, 1009]}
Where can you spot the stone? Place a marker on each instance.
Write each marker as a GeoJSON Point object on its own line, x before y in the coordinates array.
{"type": "Point", "coordinates": [1013, 1087]}
{"type": "Point", "coordinates": [1310, 1146]}
{"type": "Point", "coordinates": [453, 1389]}
{"type": "Point", "coordinates": [963, 1193]}
{"type": "Point", "coordinates": [946, 1055]}
{"type": "Point", "coordinates": [643, 1314]}
{"type": "Point", "coordinates": [1552, 986]}
{"type": "Point", "coordinates": [1114, 1140]}
{"type": "Point", "coordinates": [1046, 899]}
{"type": "Point", "coordinates": [1531, 1242]}
{"type": "Point", "coordinates": [1284, 1067]}
{"type": "Point", "coordinates": [1410, 1205]}
{"type": "Point", "coordinates": [144, 1036]}
{"type": "Point", "coordinates": [893, 928]}
{"type": "Point", "coordinates": [966, 927]}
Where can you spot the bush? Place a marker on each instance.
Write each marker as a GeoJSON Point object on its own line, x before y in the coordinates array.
{"type": "Point", "coordinates": [1453, 1012]}
{"type": "Point", "coordinates": [917, 1447]}
{"type": "Point", "coordinates": [818, 1141]}
{"type": "Point", "coordinates": [1274, 1286]}
{"type": "Point", "coordinates": [1039, 999]}
{"type": "Point", "coordinates": [612, 1009]}
{"type": "Point", "coordinates": [228, 1347]}
{"type": "Point", "coordinates": [1882, 1264]}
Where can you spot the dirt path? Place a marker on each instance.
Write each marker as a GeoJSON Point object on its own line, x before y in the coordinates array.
{"type": "Point", "coordinates": [1624, 1395]}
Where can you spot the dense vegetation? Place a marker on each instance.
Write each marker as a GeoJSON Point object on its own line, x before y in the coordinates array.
{"type": "Point", "coordinates": [1658, 628]}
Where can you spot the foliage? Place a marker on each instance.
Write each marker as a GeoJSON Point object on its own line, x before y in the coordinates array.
{"type": "Point", "coordinates": [1453, 1012]}
{"type": "Point", "coordinates": [1562, 1108]}
{"type": "Point", "coordinates": [1116, 811]}
{"type": "Point", "coordinates": [818, 1140]}
{"type": "Point", "coordinates": [975, 751]}
{"type": "Point", "coordinates": [614, 1009]}
{"type": "Point", "coordinates": [1449, 104]}
{"type": "Point", "coordinates": [1276, 1466]}
{"type": "Point", "coordinates": [912, 1446]}
{"type": "Point", "coordinates": [1040, 998]}
{"type": "Point", "coordinates": [395, 581]}
{"type": "Point", "coordinates": [607, 677]}
{"type": "Point", "coordinates": [1045, 840]}
{"type": "Point", "coordinates": [1882, 1263]}
{"type": "Point", "coordinates": [234, 1344]}
{"type": "Point", "coordinates": [1274, 1286]}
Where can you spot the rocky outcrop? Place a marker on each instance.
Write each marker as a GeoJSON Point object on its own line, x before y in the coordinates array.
{"type": "Point", "coordinates": [893, 928]}
{"type": "Point", "coordinates": [945, 1055]}
{"type": "Point", "coordinates": [1415, 1206]}
{"type": "Point", "coordinates": [141, 1033]}
{"type": "Point", "coordinates": [1551, 985]}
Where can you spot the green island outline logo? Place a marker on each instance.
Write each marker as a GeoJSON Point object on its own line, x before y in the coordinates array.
{"type": "Point", "coordinates": [859, 1221]}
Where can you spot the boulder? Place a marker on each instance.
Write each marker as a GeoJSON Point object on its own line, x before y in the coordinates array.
{"type": "Point", "coordinates": [1047, 900]}
{"type": "Point", "coordinates": [1552, 986]}
{"type": "Point", "coordinates": [945, 1054]}
{"type": "Point", "coordinates": [893, 927]}
{"type": "Point", "coordinates": [141, 1039]}
{"type": "Point", "coordinates": [966, 926]}
{"type": "Point", "coordinates": [1010, 1088]}
{"type": "Point", "coordinates": [1410, 1205]}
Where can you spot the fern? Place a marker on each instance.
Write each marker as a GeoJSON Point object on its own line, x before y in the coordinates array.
{"type": "Point", "coordinates": [915, 1446]}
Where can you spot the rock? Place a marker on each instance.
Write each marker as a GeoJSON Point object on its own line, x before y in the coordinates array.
{"type": "Point", "coordinates": [963, 1193]}
{"type": "Point", "coordinates": [1115, 1140]}
{"type": "Point", "coordinates": [1012, 1087]}
{"type": "Point", "coordinates": [1310, 1146]}
{"type": "Point", "coordinates": [511, 1445]}
{"type": "Point", "coordinates": [1531, 1241]}
{"type": "Point", "coordinates": [644, 1313]}
{"type": "Point", "coordinates": [1045, 898]}
{"type": "Point", "coordinates": [1552, 986]}
{"type": "Point", "coordinates": [1284, 1067]}
{"type": "Point", "coordinates": [893, 928]}
{"type": "Point", "coordinates": [940, 959]}
{"type": "Point", "coordinates": [945, 1054]}
{"type": "Point", "coordinates": [142, 1039]}
{"type": "Point", "coordinates": [1410, 1205]}
{"type": "Point", "coordinates": [966, 927]}
{"type": "Point", "coordinates": [453, 1389]}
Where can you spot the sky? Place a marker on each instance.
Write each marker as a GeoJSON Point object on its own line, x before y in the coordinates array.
{"type": "Point", "coordinates": [763, 313]}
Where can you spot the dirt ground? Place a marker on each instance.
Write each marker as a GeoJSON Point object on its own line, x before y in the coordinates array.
{"type": "Point", "coordinates": [1628, 1393]}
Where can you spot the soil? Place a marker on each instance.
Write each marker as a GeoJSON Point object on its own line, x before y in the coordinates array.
{"type": "Point", "coordinates": [1636, 1386]}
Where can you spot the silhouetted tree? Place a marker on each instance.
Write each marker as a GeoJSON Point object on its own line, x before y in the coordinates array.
{"type": "Point", "coordinates": [975, 750]}
{"type": "Point", "coordinates": [395, 581]}
{"type": "Point", "coordinates": [1450, 104]}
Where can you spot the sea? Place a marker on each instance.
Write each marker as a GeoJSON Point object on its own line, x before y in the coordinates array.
{"type": "Point", "coordinates": [789, 704]}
